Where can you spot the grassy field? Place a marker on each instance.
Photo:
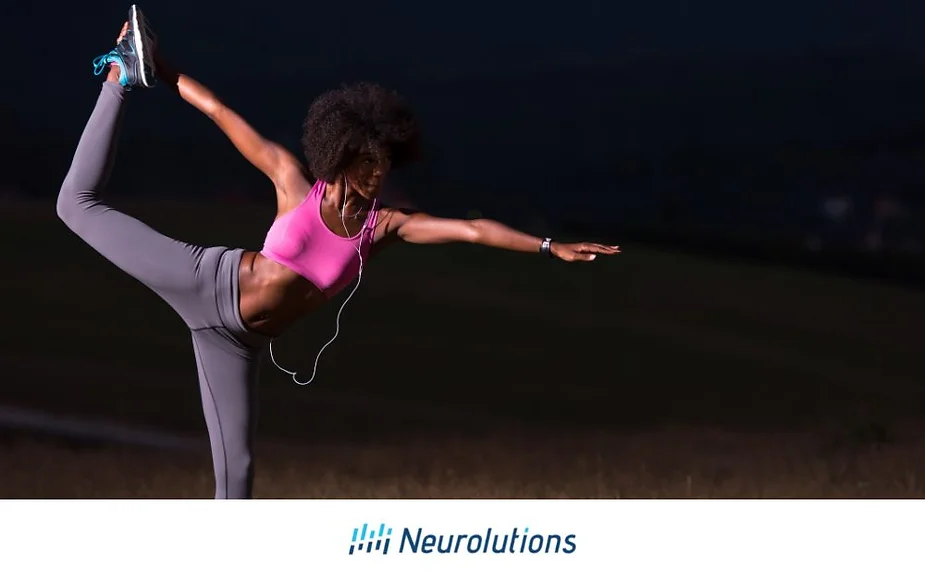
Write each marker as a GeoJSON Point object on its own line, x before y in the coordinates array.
{"type": "Point", "coordinates": [614, 366]}
{"type": "Point", "coordinates": [652, 463]}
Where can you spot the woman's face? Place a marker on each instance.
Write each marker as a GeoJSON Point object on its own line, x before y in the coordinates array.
{"type": "Point", "coordinates": [366, 173]}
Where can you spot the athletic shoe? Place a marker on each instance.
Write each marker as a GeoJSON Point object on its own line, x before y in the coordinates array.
{"type": "Point", "coordinates": [134, 55]}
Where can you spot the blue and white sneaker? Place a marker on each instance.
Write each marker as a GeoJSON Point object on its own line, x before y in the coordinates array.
{"type": "Point", "coordinates": [134, 55]}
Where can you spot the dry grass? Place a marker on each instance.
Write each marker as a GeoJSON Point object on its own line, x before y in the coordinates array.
{"type": "Point", "coordinates": [665, 463]}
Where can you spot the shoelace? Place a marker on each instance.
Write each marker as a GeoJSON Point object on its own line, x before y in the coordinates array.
{"type": "Point", "coordinates": [100, 62]}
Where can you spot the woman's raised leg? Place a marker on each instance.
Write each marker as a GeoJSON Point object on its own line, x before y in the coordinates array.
{"type": "Point", "coordinates": [169, 267]}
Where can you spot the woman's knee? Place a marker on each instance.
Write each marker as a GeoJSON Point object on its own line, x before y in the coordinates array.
{"type": "Point", "coordinates": [76, 207]}
{"type": "Point", "coordinates": [71, 204]}
{"type": "Point", "coordinates": [66, 206]}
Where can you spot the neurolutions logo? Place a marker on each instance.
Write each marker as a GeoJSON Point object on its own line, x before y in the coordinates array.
{"type": "Point", "coordinates": [370, 538]}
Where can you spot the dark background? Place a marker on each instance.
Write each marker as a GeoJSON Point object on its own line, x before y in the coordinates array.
{"type": "Point", "coordinates": [726, 117]}
{"type": "Point", "coordinates": [760, 164]}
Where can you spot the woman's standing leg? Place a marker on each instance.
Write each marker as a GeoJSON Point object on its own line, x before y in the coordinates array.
{"type": "Point", "coordinates": [228, 375]}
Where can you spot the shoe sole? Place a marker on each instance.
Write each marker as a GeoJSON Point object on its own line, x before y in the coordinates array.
{"type": "Point", "coordinates": [141, 40]}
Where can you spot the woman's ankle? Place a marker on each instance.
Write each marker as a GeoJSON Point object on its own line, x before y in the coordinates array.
{"type": "Point", "coordinates": [114, 74]}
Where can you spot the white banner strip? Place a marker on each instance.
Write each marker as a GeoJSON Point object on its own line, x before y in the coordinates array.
{"type": "Point", "coordinates": [714, 540]}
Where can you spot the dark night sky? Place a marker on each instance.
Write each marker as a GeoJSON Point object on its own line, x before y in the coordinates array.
{"type": "Point", "coordinates": [250, 54]}
{"type": "Point", "coordinates": [447, 39]}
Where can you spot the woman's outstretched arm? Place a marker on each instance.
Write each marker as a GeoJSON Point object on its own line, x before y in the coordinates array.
{"type": "Point", "coordinates": [274, 160]}
{"type": "Point", "coordinates": [421, 228]}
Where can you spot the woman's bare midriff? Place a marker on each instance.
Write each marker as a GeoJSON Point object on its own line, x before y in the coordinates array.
{"type": "Point", "coordinates": [273, 297]}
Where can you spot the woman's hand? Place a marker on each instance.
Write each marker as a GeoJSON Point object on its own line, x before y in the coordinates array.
{"type": "Point", "coordinates": [581, 251]}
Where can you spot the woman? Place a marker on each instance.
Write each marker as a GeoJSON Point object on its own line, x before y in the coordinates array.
{"type": "Point", "coordinates": [236, 301]}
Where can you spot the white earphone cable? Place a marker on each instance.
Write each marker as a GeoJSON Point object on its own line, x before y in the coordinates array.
{"type": "Point", "coordinates": [340, 310]}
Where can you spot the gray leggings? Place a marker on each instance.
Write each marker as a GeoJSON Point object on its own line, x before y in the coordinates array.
{"type": "Point", "coordinates": [200, 284]}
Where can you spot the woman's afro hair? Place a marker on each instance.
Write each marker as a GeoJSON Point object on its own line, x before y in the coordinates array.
{"type": "Point", "coordinates": [344, 121]}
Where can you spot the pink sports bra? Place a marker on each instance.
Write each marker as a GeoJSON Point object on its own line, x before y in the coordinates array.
{"type": "Point", "coordinates": [301, 241]}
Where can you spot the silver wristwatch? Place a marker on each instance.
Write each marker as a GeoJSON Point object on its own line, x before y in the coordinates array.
{"type": "Point", "coordinates": [544, 247]}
